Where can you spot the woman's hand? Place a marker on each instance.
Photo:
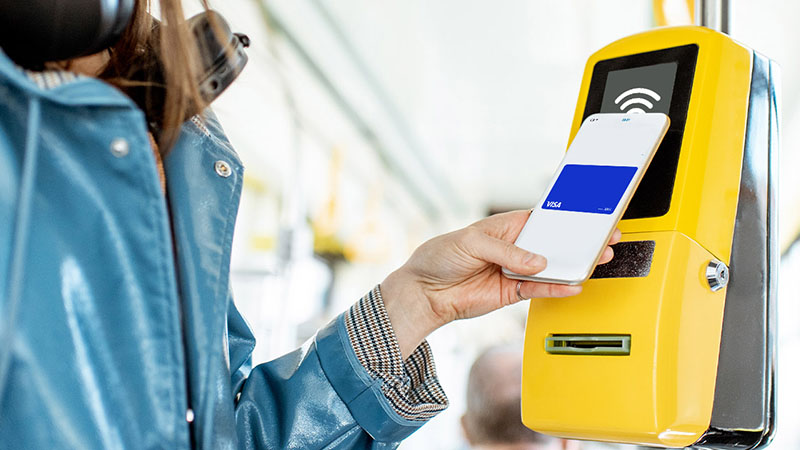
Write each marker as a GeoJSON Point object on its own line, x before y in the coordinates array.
{"type": "Point", "coordinates": [459, 275]}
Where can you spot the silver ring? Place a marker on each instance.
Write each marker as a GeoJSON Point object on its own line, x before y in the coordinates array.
{"type": "Point", "coordinates": [519, 296]}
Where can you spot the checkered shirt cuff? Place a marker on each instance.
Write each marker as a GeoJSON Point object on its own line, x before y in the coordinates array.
{"type": "Point", "coordinates": [411, 387]}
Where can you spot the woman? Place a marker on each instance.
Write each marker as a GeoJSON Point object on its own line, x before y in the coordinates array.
{"type": "Point", "coordinates": [118, 328]}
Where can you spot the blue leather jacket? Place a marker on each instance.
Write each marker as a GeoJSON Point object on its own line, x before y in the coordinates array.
{"type": "Point", "coordinates": [116, 314]}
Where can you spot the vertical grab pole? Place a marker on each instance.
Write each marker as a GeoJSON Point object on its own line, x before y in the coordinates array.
{"type": "Point", "coordinates": [714, 14]}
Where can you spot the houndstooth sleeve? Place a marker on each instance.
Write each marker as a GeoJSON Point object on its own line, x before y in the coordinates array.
{"type": "Point", "coordinates": [411, 387]}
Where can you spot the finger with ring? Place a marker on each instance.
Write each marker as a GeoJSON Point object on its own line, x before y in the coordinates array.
{"type": "Point", "coordinates": [519, 296]}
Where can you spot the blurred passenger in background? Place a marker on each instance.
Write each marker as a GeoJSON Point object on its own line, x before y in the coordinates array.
{"type": "Point", "coordinates": [493, 417]}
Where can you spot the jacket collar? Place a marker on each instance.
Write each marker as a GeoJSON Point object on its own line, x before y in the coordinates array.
{"type": "Point", "coordinates": [81, 91]}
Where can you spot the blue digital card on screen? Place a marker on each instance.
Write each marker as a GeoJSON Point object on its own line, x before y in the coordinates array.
{"type": "Point", "coordinates": [589, 189]}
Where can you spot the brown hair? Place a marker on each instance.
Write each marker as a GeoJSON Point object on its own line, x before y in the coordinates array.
{"type": "Point", "coordinates": [171, 49]}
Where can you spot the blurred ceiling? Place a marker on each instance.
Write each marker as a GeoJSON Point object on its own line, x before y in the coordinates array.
{"type": "Point", "coordinates": [489, 87]}
{"type": "Point", "coordinates": [470, 103]}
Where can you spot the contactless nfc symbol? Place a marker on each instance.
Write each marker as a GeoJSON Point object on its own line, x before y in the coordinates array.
{"type": "Point", "coordinates": [639, 102]}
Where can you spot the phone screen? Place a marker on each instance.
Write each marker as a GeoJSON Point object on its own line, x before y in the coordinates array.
{"type": "Point", "coordinates": [589, 189]}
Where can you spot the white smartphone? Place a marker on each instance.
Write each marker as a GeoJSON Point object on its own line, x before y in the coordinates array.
{"type": "Point", "coordinates": [591, 189]}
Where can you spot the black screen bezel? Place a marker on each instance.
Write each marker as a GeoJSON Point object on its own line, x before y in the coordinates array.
{"type": "Point", "coordinates": [654, 194]}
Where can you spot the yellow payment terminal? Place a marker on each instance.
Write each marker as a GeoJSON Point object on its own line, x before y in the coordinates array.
{"type": "Point", "coordinates": [671, 343]}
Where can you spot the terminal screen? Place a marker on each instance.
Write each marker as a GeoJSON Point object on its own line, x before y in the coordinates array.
{"type": "Point", "coordinates": [668, 77]}
{"type": "Point", "coordinates": [589, 189]}
{"type": "Point", "coordinates": [640, 89]}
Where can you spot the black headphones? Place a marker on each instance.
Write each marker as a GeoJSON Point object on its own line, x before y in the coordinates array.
{"type": "Point", "coordinates": [221, 61]}
{"type": "Point", "coordinates": [35, 31]}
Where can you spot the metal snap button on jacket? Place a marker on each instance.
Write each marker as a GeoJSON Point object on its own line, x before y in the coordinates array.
{"type": "Point", "coordinates": [119, 147]}
{"type": "Point", "coordinates": [222, 168]}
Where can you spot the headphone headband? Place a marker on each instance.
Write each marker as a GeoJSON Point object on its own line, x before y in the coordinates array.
{"type": "Point", "coordinates": [36, 31]}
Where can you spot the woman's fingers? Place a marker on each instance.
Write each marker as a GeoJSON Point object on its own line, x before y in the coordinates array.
{"type": "Point", "coordinates": [506, 226]}
{"type": "Point", "coordinates": [615, 237]}
{"type": "Point", "coordinates": [608, 255]}
{"type": "Point", "coordinates": [533, 289]}
{"type": "Point", "coordinates": [503, 253]}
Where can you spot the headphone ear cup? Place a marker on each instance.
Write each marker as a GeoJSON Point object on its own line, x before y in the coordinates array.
{"type": "Point", "coordinates": [115, 21]}
{"type": "Point", "coordinates": [222, 55]}
{"type": "Point", "coordinates": [33, 32]}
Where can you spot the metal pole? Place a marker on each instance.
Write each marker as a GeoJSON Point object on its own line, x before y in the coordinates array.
{"type": "Point", "coordinates": [714, 14]}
